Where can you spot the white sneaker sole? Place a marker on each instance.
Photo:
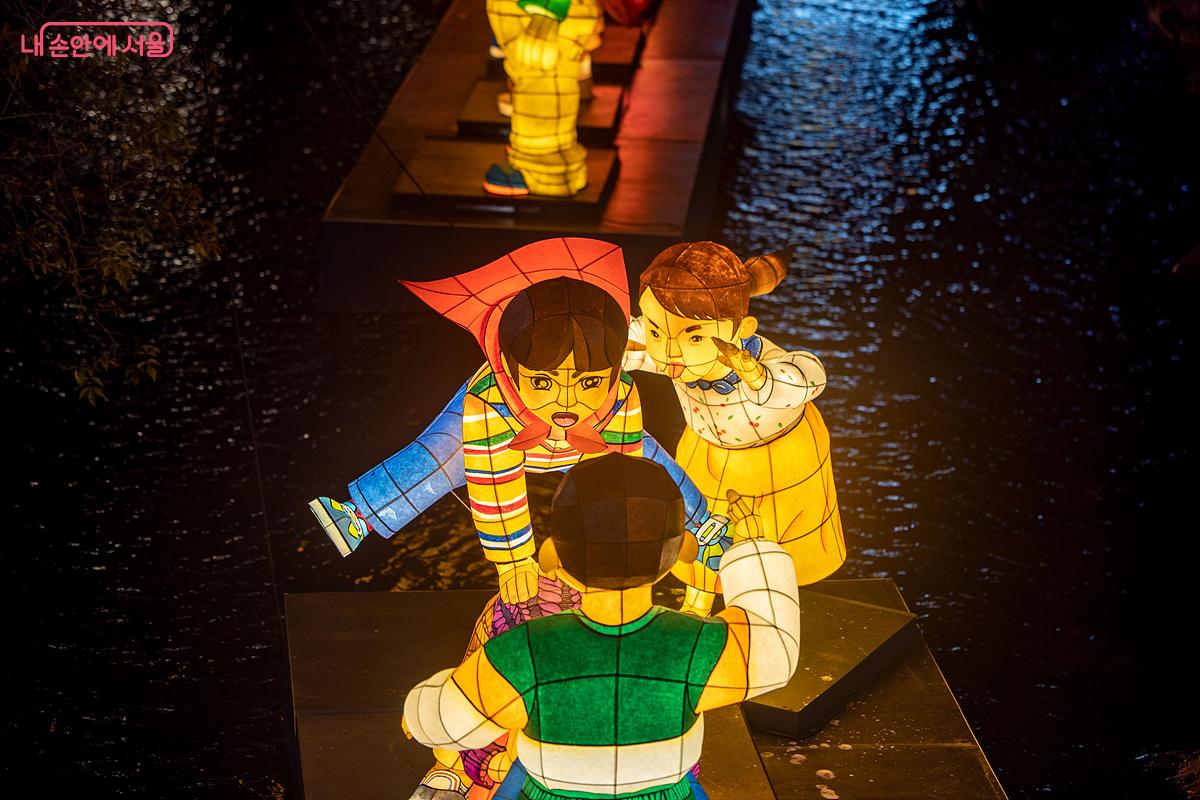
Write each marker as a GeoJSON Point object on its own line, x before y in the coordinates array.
{"type": "Point", "coordinates": [330, 528]}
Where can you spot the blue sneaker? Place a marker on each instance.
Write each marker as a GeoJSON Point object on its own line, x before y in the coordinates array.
{"type": "Point", "coordinates": [341, 523]}
{"type": "Point", "coordinates": [505, 181]}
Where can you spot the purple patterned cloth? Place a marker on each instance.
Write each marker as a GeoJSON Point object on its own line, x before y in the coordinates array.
{"type": "Point", "coordinates": [553, 596]}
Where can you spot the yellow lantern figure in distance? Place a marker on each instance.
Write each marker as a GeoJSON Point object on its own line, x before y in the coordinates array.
{"type": "Point", "coordinates": [546, 45]}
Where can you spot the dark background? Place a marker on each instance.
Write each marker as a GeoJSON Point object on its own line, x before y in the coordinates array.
{"type": "Point", "coordinates": [989, 197]}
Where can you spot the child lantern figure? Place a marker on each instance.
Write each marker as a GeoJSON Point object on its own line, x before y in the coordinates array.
{"type": "Point", "coordinates": [607, 700]}
{"type": "Point", "coordinates": [752, 429]}
{"type": "Point", "coordinates": [546, 45]}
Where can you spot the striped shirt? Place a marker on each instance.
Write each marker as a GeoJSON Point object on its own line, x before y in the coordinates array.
{"type": "Point", "coordinates": [495, 472]}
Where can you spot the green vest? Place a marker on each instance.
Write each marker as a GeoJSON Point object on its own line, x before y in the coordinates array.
{"type": "Point", "coordinates": [589, 684]}
{"type": "Point", "coordinates": [557, 8]}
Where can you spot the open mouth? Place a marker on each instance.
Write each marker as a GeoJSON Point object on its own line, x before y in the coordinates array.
{"type": "Point", "coordinates": [674, 369]}
{"type": "Point", "coordinates": [564, 419]}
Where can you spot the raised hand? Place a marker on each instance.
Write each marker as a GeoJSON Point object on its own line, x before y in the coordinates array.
{"type": "Point", "coordinates": [745, 523]}
{"type": "Point", "coordinates": [518, 580]}
{"type": "Point", "coordinates": [537, 47]}
{"type": "Point", "coordinates": [747, 367]}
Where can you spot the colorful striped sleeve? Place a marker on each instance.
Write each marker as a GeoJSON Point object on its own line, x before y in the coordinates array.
{"type": "Point", "coordinates": [623, 433]}
{"type": "Point", "coordinates": [495, 483]}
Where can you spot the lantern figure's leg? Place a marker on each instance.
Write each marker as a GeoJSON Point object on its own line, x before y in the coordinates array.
{"type": "Point", "coordinates": [446, 780]}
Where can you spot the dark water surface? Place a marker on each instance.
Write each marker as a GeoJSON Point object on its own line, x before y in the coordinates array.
{"type": "Point", "coordinates": [989, 196]}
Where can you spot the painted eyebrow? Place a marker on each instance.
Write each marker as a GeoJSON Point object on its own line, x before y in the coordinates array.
{"type": "Point", "coordinates": [693, 328]}
{"type": "Point", "coordinates": [651, 322]}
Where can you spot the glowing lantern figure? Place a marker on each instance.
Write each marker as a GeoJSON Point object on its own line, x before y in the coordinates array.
{"type": "Point", "coordinates": [551, 318]}
{"type": "Point", "coordinates": [608, 700]}
{"type": "Point", "coordinates": [546, 45]}
{"type": "Point", "coordinates": [752, 428]}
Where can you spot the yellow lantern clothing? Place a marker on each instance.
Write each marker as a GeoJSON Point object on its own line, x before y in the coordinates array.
{"type": "Point", "coordinates": [617, 710]}
{"type": "Point", "coordinates": [543, 144]}
{"type": "Point", "coordinates": [495, 471]}
{"type": "Point", "coordinates": [771, 446]}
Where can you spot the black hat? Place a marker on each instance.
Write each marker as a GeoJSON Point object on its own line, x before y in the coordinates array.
{"type": "Point", "coordinates": [617, 522]}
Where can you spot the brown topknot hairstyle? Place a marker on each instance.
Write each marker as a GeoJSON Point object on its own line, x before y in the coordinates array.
{"type": "Point", "coordinates": [706, 280]}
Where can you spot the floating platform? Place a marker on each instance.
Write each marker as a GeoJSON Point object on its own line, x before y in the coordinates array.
{"type": "Point", "coordinates": [880, 716]}
{"type": "Point", "coordinates": [663, 93]}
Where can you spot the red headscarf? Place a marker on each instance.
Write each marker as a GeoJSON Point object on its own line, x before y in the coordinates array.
{"type": "Point", "coordinates": [475, 301]}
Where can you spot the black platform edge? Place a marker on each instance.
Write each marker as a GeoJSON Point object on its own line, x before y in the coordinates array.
{"type": "Point", "coordinates": [521, 210]}
{"type": "Point", "coordinates": [814, 716]}
{"type": "Point", "coordinates": [704, 192]}
{"type": "Point", "coordinates": [905, 737]}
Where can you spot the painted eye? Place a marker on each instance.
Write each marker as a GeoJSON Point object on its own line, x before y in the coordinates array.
{"type": "Point", "coordinates": [654, 334]}
{"type": "Point", "coordinates": [697, 339]}
{"type": "Point", "coordinates": [589, 383]}
{"type": "Point", "coordinates": [540, 383]}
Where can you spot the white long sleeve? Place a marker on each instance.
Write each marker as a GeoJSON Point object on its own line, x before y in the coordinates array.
{"type": "Point", "coordinates": [793, 378]}
{"type": "Point", "coordinates": [638, 359]}
{"type": "Point", "coordinates": [759, 577]}
{"type": "Point", "coordinates": [438, 714]}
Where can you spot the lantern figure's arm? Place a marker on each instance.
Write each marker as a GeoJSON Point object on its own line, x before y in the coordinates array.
{"type": "Point", "coordinates": [762, 610]}
{"type": "Point", "coordinates": [636, 356]}
{"type": "Point", "coordinates": [624, 434]}
{"type": "Point", "coordinates": [495, 483]}
{"type": "Point", "coordinates": [465, 708]}
{"type": "Point", "coordinates": [695, 507]}
{"type": "Point", "coordinates": [395, 491]}
{"type": "Point", "coordinates": [793, 378]}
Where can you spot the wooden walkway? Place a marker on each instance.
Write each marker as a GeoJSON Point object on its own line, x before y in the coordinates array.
{"type": "Point", "coordinates": [669, 132]}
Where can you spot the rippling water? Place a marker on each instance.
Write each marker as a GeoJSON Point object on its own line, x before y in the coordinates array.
{"type": "Point", "coordinates": [988, 197]}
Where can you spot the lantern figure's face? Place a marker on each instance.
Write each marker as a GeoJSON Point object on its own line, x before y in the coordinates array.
{"type": "Point", "coordinates": [563, 397]}
{"type": "Point", "coordinates": [682, 347]}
